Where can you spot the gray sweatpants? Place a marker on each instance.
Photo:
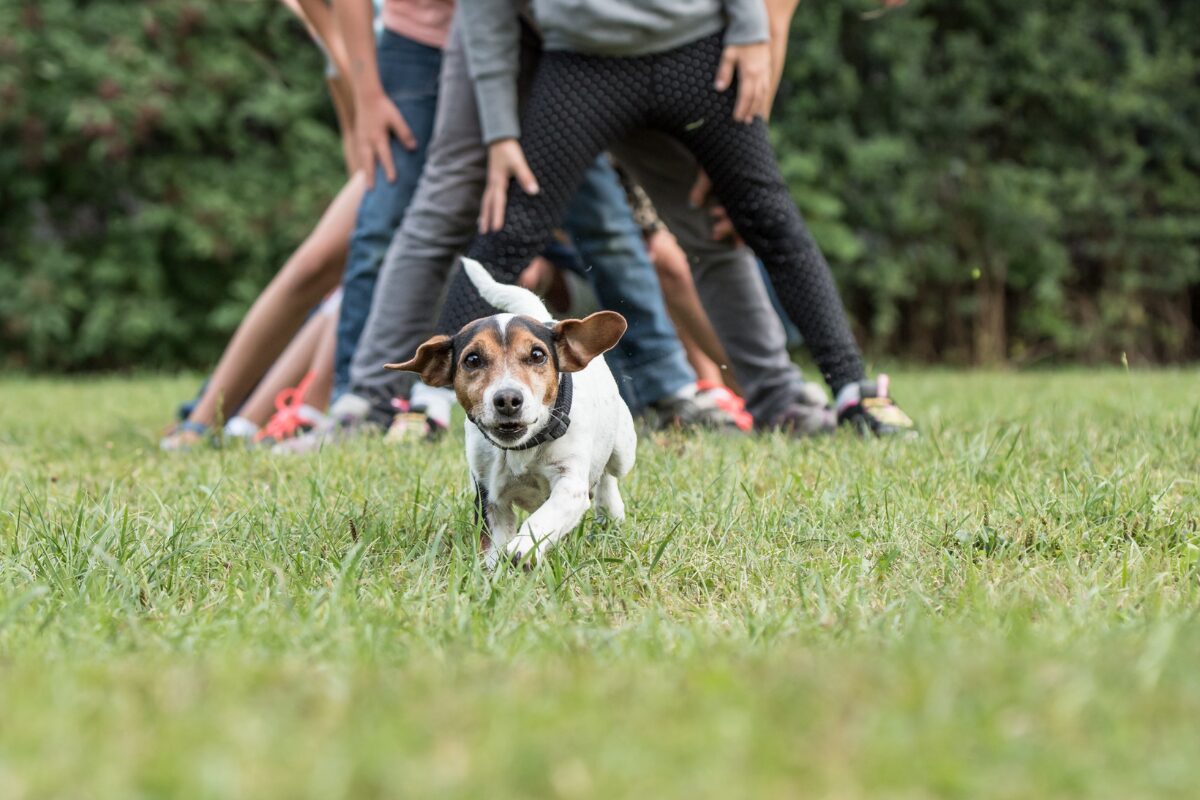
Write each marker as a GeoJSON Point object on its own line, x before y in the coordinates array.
{"type": "Point", "coordinates": [440, 224]}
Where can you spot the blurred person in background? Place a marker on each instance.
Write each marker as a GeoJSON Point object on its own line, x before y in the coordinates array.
{"type": "Point", "coordinates": [699, 73]}
{"type": "Point", "coordinates": [274, 321]}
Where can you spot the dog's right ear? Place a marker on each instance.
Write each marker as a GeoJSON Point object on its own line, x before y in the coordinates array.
{"type": "Point", "coordinates": [434, 362]}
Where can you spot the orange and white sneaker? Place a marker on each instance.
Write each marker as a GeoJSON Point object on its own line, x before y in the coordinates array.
{"type": "Point", "coordinates": [724, 398]}
{"type": "Point", "coordinates": [293, 417]}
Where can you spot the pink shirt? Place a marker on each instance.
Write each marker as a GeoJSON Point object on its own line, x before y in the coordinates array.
{"type": "Point", "coordinates": [424, 21]}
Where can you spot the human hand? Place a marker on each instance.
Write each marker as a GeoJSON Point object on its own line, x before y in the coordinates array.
{"type": "Point", "coordinates": [752, 63]}
{"type": "Point", "coordinates": [376, 119]}
{"type": "Point", "coordinates": [722, 226]}
{"type": "Point", "coordinates": [506, 161]}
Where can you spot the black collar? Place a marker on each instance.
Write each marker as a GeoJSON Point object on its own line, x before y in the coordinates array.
{"type": "Point", "coordinates": [560, 419]}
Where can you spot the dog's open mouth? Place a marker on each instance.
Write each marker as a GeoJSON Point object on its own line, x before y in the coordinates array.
{"type": "Point", "coordinates": [509, 430]}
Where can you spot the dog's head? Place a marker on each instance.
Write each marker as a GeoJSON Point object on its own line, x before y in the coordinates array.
{"type": "Point", "coordinates": [505, 368]}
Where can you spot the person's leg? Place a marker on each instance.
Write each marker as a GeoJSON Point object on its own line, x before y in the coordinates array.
{"type": "Point", "coordinates": [615, 260]}
{"type": "Point", "coordinates": [727, 278]}
{"type": "Point", "coordinates": [409, 72]}
{"type": "Point", "coordinates": [704, 350]}
{"type": "Point", "coordinates": [745, 176]}
{"type": "Point", "coordinates": [564, 130]}
{"type": "Point", "coordinates": [287, 371]}
{"type": "Point", "coordinates": [741, 164]}
{"type": "Point", "coordinates": [439, 224]}
{"type": "Point", "coordinates": [273, 320]}
{"type": "Point", "coordinates": [320, 391]}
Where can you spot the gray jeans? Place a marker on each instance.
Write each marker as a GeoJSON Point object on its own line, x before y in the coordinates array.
{"type": "Point", "coordinates": [440, 224]}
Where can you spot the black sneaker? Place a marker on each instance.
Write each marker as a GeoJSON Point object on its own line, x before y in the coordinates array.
{"type": "Point", "coordinates": [802, 420]}
{"type": "Point", "coordinates": [868, 408]}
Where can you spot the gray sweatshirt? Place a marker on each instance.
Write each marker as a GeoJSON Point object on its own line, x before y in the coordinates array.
{"type": "Point", "coordinates": [492, 34]}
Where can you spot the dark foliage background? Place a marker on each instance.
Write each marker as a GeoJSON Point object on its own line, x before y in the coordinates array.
{"type": "Point", "coordinates": [993, 181]}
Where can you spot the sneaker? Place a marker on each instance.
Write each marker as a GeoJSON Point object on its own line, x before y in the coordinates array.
{"type": "Point", "coordinates": [802, 420]}
{"type": "Point", "coordinates": [413, 426]}
{"type": "Point", "coordinates": [185, 436]}
{"type": "Point", "coordinates": [868, 408]}
{"type": "Point", "coordinates": [349, 418]}
{"type": "Point", "coordinates": [690, 408]}
{"type": "Point", "coordinates": [293, 417]}
{"type": "Point", "coordinates": [725, 399]}
{"type": "Point", "coordinates": [240, 428]}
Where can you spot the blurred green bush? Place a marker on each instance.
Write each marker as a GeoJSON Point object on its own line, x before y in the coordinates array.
{"type": "Point", "coordinates": [1004, 179]}
{"type": "Point", "coordinates": [160, 160]}
{"type": "Point", "coordinates": [1015, 180]}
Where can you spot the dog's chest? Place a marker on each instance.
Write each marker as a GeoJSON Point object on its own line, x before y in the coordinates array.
{"type": "Point", "coordinates": [524, 484]}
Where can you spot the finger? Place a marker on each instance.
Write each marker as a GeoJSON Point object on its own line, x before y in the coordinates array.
{"type": "Point", "coordinates": [366, 157]}
{"type": "Point", "coordinates": [499, 206]}
{"type": "Point", "coordinates": [754, 102]}
{"type": "Point", "coordinates": [754, 106]}
{"type": "Point", "coordinates": [383, 149]}
{"type": "Point", "coordinates": [721, 226]}
{"type": "Point", "coordinates": [743, 99]}
{"type": "Point", "coordinates": [524, 176]}
{"type": "Point", "coordinates": [764, 103]}
{"type": "Point", "coordinates": [700, 190]}
{"type": "Point", "coordinates": [725, 71]}
{"type": "Point", "coordinates": [400, 128]}
{"type": "Point", "coordinates": [488, 212]}
{"type": "Point", "coordinates": [485, 209]}
{"type": "Point", "coordinates": [723, 229]}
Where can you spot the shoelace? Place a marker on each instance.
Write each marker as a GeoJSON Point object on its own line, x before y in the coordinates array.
{"type": "Point", "coordinates": [727, 401]}
{"type": "Point", "coordinates": [287, 417]}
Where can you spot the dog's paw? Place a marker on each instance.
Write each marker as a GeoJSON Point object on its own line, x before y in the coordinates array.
{"type": "Point", "coordinates": [491, 558]}
{"type": "Point", "coordinates": [610, 517]}
{"type": "Point", "coordinates": [522, 550]}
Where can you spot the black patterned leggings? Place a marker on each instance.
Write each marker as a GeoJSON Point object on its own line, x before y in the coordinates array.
{"type": "Point", "coordinates": [580, 104]}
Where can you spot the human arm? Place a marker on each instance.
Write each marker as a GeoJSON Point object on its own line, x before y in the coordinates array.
{"type": "Point", "coordinates": [747, 55]}
{"type": "Point", "coordinates": [779, 22]}
{"type": "Point", "coordinates": [320, 18]}
{"type": "Point", "coordinates": [491, 35]}
{"type": "Point", "coordinates": [375, 115]}
{"type": "Point", "coordinates": [492, 40]}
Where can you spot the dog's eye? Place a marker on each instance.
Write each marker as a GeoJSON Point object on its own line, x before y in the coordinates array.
{"type": "Point", "coordinates": [472, 361]}
{"type": "Point", "coordinates": [537, 355]}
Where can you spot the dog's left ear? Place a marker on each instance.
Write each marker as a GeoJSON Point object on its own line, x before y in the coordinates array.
{"type": "Point", "coordinates": [578, 341]}
{"type": "Point", "coordinates": [434, 362]}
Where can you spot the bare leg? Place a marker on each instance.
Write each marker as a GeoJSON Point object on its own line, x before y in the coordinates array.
{"type": "Point", "coordinates": [311, 273]}
{"type": "Point", "coordinates": [289, 369]}
{"type": "Point", "coordinates": [320, 391]}
{"type": "Point", "coordinates": [704, 349]}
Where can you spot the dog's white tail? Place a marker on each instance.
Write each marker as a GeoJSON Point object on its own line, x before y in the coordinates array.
{"type": "Point", "coordinates": [505, 296]}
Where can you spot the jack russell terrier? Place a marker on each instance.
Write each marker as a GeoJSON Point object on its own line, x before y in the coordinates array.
{"type": "Point", "coordinates": [547, 430]}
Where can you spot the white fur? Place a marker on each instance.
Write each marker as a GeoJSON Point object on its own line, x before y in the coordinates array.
{"type": "Point", "coordinates": [505, 296]}
{"type": "Point", "coordinates": [554, 481]}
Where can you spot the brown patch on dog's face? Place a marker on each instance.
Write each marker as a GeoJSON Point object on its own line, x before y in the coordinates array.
{"type": "Point", "coordinates": [531, 360]}
{"type": "Point", "coordinates": [480, 362]}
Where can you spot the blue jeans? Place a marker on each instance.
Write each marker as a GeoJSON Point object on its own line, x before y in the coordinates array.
{"type": "Point", "coordinates": [409, 73]}
{"type": "Point", "coordinates": [649, 362]}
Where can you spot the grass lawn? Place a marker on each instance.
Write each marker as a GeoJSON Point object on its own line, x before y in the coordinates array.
{"type": "Point", "coordinates": [1006, 608]}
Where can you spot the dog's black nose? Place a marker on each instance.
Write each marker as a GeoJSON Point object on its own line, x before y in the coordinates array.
{"type": "Point", "coordinates": [507, 402]}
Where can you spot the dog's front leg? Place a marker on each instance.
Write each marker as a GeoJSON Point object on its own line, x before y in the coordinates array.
{"type": "Point", "coordinates": [502, 522]}
{"type": "Point", "coordinates": [557, 517]}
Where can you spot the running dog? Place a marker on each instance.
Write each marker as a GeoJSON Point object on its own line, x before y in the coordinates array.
{"type": "Point", "coordinates": [547, 430]}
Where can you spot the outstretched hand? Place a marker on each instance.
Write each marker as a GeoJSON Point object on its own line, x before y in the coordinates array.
{"type": "Point", "coordinates": [752, 64]}
{"type": "Point", "coordinates": [506, 161]}
{"type": "Point", "coordinates": [376, 120]}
